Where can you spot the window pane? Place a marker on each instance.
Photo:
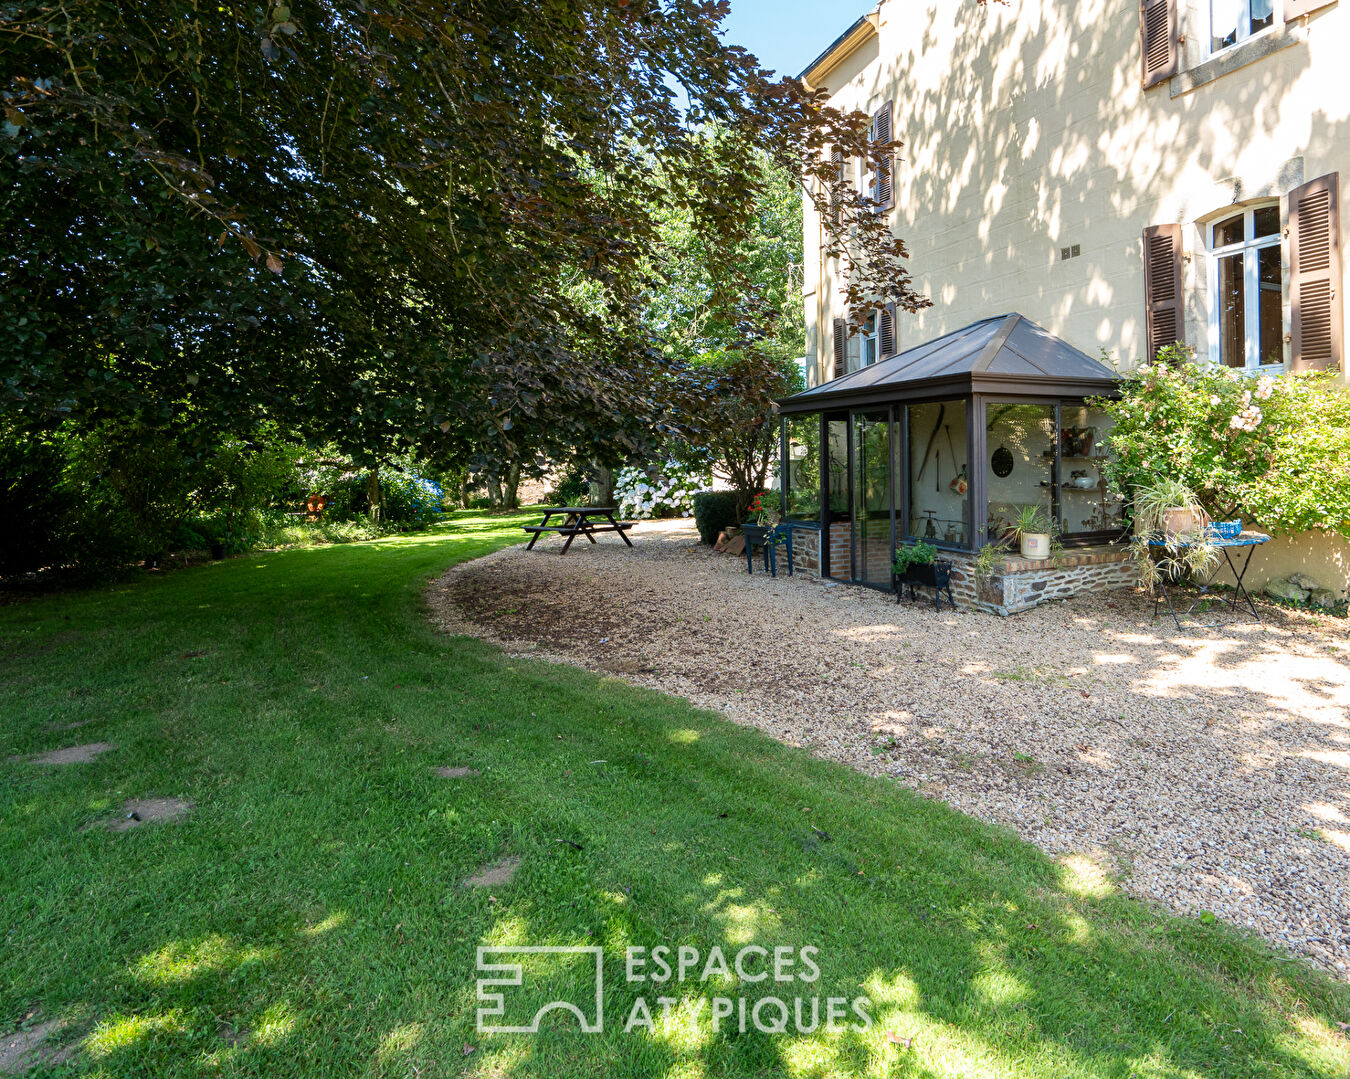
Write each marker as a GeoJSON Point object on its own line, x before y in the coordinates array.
{"type": "Point", "coordinates": [803, 468]}
{"type": "Point", "coordinates": [872, 491]}
{"type": "Point", "coordinates": [1085, 502]}
{"type": "Point", "coordinates": [1225, 17]}
{"type": "Point", "coordinates": [1021, 467]}
{"type": "Point", "coordinates": [1263, 14]}
{"type": "Point", "coordinates": [838, 470]}
{"type": "Point", "coordinates": [1271, 310]}
{"type": "Point", "coordinates": [1232, 312]}
{"type": "Point", "coordinates": [1229, 231]}
{"type": "Point", "coordinates": [1267, 221]}
{"type": "Point", "coordinates": [938, 476]}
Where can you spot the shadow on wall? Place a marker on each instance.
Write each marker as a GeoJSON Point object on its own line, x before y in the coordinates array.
{"type": "Point", "coordinates": [1320, 555]}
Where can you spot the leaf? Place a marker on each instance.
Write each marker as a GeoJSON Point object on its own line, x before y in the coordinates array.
{"type": "Point", "coordinates": [288, 28]}
{"type": "Point", "coordinates": [469, 1049]}
{"type": "Point", "coordinates": [895, 1039]}
{"type": "Point", "coordinates": [1206, 918]}
{"type": "Point", "coordinates": [273, 263]}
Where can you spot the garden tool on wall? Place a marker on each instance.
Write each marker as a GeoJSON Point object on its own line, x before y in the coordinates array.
{"type": "Point", "coordinates": [942, 411]}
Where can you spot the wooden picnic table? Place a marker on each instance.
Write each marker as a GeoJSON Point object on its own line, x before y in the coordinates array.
{"type": "Point", "coordinates": [579, 521]}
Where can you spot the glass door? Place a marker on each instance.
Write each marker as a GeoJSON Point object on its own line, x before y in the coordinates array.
{"type": "Point", "coordinates": [872, 533]}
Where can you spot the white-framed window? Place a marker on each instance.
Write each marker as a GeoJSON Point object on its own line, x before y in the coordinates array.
{"type": "Point", "coordinates": [869, 342]}
{"type": "Point", "coordinates": [1246, 317]}
{"type": "Point", "coordinates": [1231, 21]}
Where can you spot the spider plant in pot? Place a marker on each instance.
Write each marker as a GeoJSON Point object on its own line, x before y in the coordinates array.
{"type": "Point", "coordinates": [1172, 538]}
{"type": "Point", "coordinates": [1168, 507]}
{"type": "Point", "coordinates": [1034, 531]}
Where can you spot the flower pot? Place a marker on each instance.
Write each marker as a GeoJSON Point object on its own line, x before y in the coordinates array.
{"type": "Point", "coordinates": [936, 575]}
{"type": "Point", "coordinates": [1035, 545]}
{"type": "Point", "coordinates": [1183, 522]}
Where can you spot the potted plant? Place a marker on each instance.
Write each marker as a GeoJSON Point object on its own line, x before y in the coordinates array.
{"type": "Point", "coordinates": [1172, 534]}
{"type": "Point", "coordinates": [1169, 507]}
{"type": "Point", "coordinates": [917, 563]}
{"type": "Point", "coordinates": [1034, 532]}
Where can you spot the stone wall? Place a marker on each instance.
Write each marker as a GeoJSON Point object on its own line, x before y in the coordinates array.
{"type": "Point", "coordinates": [1018, 584]}
{"type": "Point", "coordinates": [1014, 585]}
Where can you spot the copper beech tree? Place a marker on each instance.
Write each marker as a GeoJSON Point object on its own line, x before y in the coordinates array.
{"type": "Point", "coordinates": [387, 224]}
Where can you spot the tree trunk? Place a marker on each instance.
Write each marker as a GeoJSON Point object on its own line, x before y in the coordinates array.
{"type": "Point", "coordinates": [511, 489]}
{"type": "Point", "coordinates": [495, 496]}
{"type": "Point", "coordinates": [602, 486]}
{"type": "Point", "coordinates": [373, 494]}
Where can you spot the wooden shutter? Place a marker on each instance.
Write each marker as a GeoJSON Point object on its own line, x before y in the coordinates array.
{"type": "Point", "coordinates": [886, 331]}
{"type": "Point", "coordinates": [1315, 274]}
{"type": "Point", "coordinates": [840, 348]}
{"type": "Point", "coordinates": [881, 133]}
{"type": "Point", "coordinates": [1162, 287]}
{"type": "Point", "coordinates": [1293, 9]}
{"type": "Point", "coordinates": [1159, 40]}
{"type": "Point", "coordinates": [837, 159]}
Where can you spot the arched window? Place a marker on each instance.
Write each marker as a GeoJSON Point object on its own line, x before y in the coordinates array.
{"type": "Point", "coordinates": [1246, 321]}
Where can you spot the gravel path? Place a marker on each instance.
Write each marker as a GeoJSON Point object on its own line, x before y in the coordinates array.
{"type": "Point", "coordinates": [1210, 771]}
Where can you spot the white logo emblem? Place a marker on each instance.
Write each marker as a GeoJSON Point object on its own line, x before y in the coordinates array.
{"type": "Point", "coordinates": [512, 975]}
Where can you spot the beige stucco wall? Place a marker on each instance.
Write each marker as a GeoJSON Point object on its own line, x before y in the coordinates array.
{"type": "Point", "coordinates": [1026, 130]}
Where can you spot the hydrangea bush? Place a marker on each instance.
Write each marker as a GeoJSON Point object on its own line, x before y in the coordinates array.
{"type": "Point", "coordinates": [664, 491]}
{"type": "Point", "coordinates": [1270, 450]}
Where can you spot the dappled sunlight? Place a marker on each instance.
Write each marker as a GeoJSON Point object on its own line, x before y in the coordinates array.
{"type": "Point", "coordinates": [999, 988]}
{"type": "Point", "coordinates": [684, 737]}
{"type": "Point", "coordinates": [275, 1024]}
{"type": "Point", "coordinates": [121, 1033]}
{"type": "Point", "coordinates": [869, 633]}
{"type": "Point", "coordinates": [399, 1041]}
{"type": "Point", "coordinates": [1085, 877]}
{"type": "Point", "coordinates": [181, 961]}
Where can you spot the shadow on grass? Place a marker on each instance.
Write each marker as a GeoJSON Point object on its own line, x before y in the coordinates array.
{"type": "Point", "coordinates": [310, 917]}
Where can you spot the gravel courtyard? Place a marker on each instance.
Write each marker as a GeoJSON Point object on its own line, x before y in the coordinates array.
{"type": "Point", "coordinates": [1206, 770]}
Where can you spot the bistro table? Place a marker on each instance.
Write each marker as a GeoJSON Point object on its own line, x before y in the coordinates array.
{"type": "Point", "coordinates": [1226, 544]}
{"type": "Point", "coordinates": [579, 521]}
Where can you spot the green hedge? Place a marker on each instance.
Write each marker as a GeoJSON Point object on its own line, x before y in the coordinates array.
{"type": "Point", "coordinates": [713, 512]}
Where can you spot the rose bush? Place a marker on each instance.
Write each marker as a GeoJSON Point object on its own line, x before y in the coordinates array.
{"type": "Point", "coordinates": [1275, 451]}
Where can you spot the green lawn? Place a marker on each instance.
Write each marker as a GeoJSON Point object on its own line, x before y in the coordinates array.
{"type": "Point", "coordinates": [310, 916]}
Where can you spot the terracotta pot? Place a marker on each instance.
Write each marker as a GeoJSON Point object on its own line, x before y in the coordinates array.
{"type": "Point", "coordinates": [1035, 545]}
{"type": "Point", "coordinates": [1182, 522]}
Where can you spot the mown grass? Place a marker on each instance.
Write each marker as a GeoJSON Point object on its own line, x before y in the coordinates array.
{"type": "Point", "coordinates": [309, 918]}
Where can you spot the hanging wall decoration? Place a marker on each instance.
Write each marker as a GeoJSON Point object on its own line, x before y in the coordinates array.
{"type": "Point", "coordinates": [1002, 462]}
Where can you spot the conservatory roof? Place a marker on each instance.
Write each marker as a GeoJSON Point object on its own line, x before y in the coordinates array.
{"type": "Point", "coordinates": [1007, 354]}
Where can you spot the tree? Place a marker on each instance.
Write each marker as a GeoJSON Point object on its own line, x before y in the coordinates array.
{"type": "Point", "coordinates": [389, 225]}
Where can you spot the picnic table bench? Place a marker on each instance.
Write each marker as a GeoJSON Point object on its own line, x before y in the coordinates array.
{"type": "Point", "coordinates": [578, 521]}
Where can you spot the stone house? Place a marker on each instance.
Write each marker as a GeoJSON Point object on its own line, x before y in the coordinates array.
{"type": "Point", "coordinates": [1121, 174]}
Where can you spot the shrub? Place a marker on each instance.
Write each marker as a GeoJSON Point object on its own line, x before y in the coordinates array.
{"type": "Point", "coordinates": [39, 509]}
{"type": "Point", "coordinates": [408, 500]}
{"type": "Point", "coordinates": [573, 489]}
{"type": "Point", "coordinates": [715, 511]}
{"type": "Point", "coordinates": [1271, 450]}
{"type": "Point", "coordinates": [665, 492]}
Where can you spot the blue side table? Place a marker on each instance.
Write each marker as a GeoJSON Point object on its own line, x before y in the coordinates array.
{"type": "Point", "coordinates": [1247, 541]}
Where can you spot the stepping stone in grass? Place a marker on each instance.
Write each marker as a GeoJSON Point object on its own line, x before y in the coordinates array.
{"type": "Point", "coordinates": [502, 872]}
{"type": "Point", "coordinates": [25, 1050]}
{"type": "Point", "coordinates": [138, 811]}
{"type": "Point", "coordinates": [73, 754]}
{"type": "Point", "coordinates": [456, 773]}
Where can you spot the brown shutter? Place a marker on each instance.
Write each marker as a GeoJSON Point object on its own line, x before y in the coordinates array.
{"type": "Point", "coordinates": [1294, 9]}
{"type": "Point", "coordinates": [886, 331]}
{"type": "Point", "coordinates": [881, 133]}
{"type": "Point", "coordinates": [840, 348]}
{"type": "Point", "coordinates": [1315, 274]}
{"type": "Point", "coordinates": [837, 159]}
{"type": "Point", "coordinates": [1162, 287]}
{"type": "Point", "coordinates": [1159, 40]}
